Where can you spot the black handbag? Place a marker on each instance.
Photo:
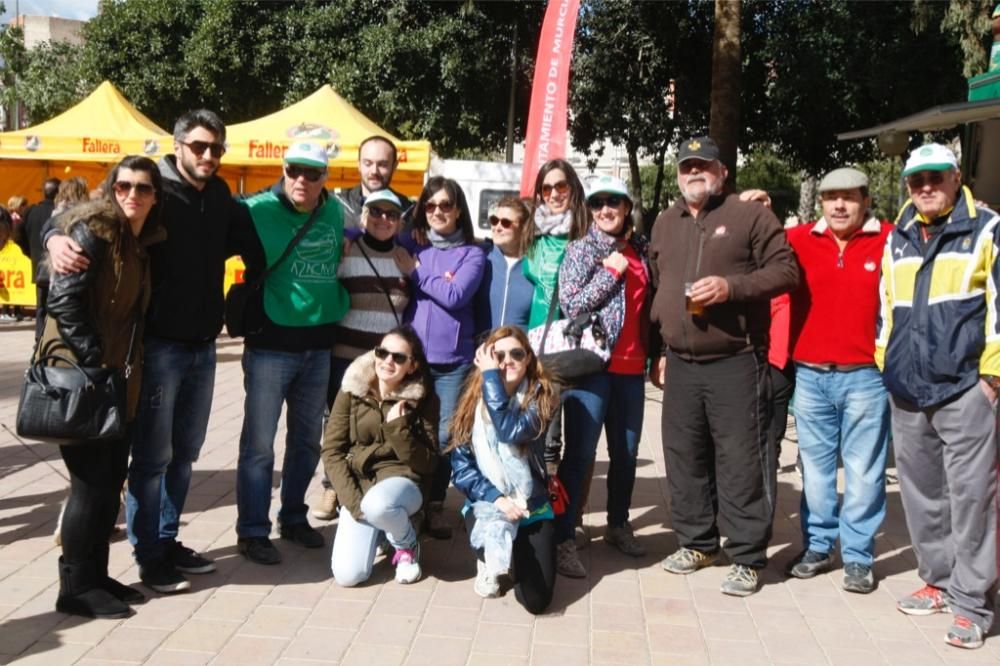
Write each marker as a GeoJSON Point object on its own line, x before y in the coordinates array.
{"type": "Point", "coordinates": [73, 404]}
{"type": "Point", "coordinates": [244, 311]}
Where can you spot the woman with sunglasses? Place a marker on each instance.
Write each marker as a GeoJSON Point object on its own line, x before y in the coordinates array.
{"type": "Point", "coordinates": [380, 451]}
{"type": "Point", "coordinates": [607, 273]}
{"type": "Point", "coordinates": [95, 318]}
{"type": "Point", "coordinates": [380, 293]}
{"type": "Point", "coordinates": [498, 435]}
{"type": "Point", "coordinates": [560, 216]}
{"type": "Point", "coordinates": [445, 278]}
{"type": "Point", "coordinates": [505, 294]}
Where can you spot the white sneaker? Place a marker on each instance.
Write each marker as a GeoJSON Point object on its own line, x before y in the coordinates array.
{"type": "Point", "coordinates": [486, 585]}
{"type": "Point", "coordinates": [407, 562]}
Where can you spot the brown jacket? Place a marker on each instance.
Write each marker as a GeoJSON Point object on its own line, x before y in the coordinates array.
{"type": "Point", "coordinates": [91, 313]}
{"type": "Point", "coordinates": [360, 448]}
{"type": "Point", "coordinates": [742, 242]}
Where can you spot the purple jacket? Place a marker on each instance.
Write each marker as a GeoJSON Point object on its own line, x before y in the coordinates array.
{"type": "Point", "coordinates": [445, 286]}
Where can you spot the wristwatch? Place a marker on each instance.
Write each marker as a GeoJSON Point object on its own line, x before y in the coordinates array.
{"type": "Point", "coordinates": [993, 381]}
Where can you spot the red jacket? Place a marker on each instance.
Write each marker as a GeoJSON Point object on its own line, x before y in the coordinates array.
{"type": "Point", "coordinates": [835, 307]}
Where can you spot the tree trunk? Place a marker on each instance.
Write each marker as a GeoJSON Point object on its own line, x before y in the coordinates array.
{"type": "Point", "coordinates": [512, 98]}
{"type": "Point", "coordinates": [658, 187]}
{"type": "Point", "coordinates": [636, 187]}
{"type": "Point", "coordinates": [724, 122]}
{"type": "Point", "coordinates": [807, 198]}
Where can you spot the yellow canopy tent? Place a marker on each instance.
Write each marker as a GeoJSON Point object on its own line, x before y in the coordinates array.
{"type": "Point", "coordinates": [255, 148]}
{"type": "Point", "coordinates": [83, 141]}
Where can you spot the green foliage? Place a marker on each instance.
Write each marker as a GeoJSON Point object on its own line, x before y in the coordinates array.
{"type": "Point", "coordinates": [670, 190]}
{"type": "Point", "coordinates": [435, 70]}
{"type": "Point", "coordinates": [838, 65]}
{"type": "Point", "coordinates": [46, 96]}
{"type": "Point", "coordinates": [764, 169]}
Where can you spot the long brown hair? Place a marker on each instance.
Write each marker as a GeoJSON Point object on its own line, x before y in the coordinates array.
{"type": "Point", "coordinates": [539, 391]}
{"type": "Point", "coordinates": [577, 197]}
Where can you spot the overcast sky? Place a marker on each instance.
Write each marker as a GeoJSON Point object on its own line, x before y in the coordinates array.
{"type": "Point", "coordinates": [73, 9]}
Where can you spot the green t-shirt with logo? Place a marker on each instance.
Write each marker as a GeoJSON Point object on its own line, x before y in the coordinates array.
{"type": "Point", "coordinates": [303, 290]}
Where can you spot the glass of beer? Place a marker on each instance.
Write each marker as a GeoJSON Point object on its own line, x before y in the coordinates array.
{"type": "Point", "coordinates": [693, 308]}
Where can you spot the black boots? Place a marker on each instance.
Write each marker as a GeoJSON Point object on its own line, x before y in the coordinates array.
{"type": "Point", "coordinates": [120, 591]}
{"type": "Point", "coordinates": [79, 593]}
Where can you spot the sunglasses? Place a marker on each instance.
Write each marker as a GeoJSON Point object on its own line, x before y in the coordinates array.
{"type": "Point", "coordinates": [123, 188]}
{"type": "Point", "coordinates": [391, 215]}
{"type": "Point", "coordinates": [199, 148]}
{"type": "Point", "coordinates": [502, 221]}
{"type": "Point", "coordinates": [597, 203]}
{"type": "Point", "coordinates": [445, 207]}
{"type": "Point", "coordinates": [516, 354]}
{"type": "Point", "coordinates": [562, 187]}
{"type": "Point", "coordinates": [399, 358]}
{"type": "Point", "coordinates": [311, 175]}
{"type": "Point", "coordinates": [918, 180]}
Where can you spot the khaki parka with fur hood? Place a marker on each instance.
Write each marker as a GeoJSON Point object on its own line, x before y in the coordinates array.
{"type": "Point", "coordinates": [360, 448]}
{"type": "Point", "coordinates": [91, 313]}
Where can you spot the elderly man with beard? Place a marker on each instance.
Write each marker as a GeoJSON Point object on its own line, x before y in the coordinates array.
{"type": "Point", "coordinates": [716, 262]}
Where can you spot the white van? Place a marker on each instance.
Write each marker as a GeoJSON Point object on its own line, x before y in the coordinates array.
{"type": "Point", "coordinates": [484, 183]}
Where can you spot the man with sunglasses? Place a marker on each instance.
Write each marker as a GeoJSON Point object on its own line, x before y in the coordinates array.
{"type": "Point", "coordinates": [938, 346]}
{"type": "Point", "coordinates": [286, 359]}
{"type": "Point", "coordinates": [377, 163]}
{"type": "Point", "coordinates": [716, 263]}
{"type": "Point", "coordinates": [182, 322]}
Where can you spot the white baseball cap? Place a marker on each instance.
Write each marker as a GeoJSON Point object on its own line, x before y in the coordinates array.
{"type": "Point", "coordinates": [930, 157]}
{"type": "Point", "coordinates": [307, 153]}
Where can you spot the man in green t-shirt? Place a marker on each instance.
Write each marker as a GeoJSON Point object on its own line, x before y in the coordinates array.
{"type": "Point", "coordinates": [286, 360]}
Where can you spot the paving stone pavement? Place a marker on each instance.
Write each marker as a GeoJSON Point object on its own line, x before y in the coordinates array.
{"type": "Point", "coordinates": [627, 611]}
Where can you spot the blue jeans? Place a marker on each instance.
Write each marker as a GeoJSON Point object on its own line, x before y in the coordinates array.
{"type": "Point", "coordinates": [584, 408]}
{"type": "Point", "coordinates": [845, 413]}
{"type": "Point", "coordinates": [387, 507]}
{"type": "Point", "coordinates": [623, 430]}
{"type": "Point", "coordinates": [271, 379]}
{"type": "Point", "coordinates": [448, 381]}
{"type": "Point", "coordinates": [177, 384]}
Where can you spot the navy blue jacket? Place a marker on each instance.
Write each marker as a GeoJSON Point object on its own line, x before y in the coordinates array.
{"type": "Point", "coordinates": [504, 296]}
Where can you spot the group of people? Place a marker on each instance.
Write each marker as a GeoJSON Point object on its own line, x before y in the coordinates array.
{"type": "Point", "coordinates": [399, 346]}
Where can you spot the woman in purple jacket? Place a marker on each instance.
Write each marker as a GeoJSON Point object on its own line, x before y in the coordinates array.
{"type": "Point", "coordinates": [445, 276]}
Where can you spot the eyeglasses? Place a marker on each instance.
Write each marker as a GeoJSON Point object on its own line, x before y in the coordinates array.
{"type": "Point", "coordinates": [504, 222]}
{"type": "Point", "coordinates": [124, 187]}
{"type": "Point", "coordinates": [391, 215]}
{"type": "Point", "coordinates": [562, 187]}
{"type": "Point", "coordinates": [597, 203]}
{"type": "Point", "coordinates": [312, 175]}
{"type": "Point", "coordinates": [199, 148]}
{"type": "Point", "coordinates": [919, 179]}
{"type": "Point", "coordinates": [687, 165]}
{"type": "Point", "coordinates": [445, 207]}
{"type": "Point", "coordinates": [517, 354]}
{"type": "Point", "coordinates": [399, 358]}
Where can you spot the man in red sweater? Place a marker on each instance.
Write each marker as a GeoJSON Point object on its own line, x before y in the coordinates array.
{"type": "Point", "coordinates": [841, 405]}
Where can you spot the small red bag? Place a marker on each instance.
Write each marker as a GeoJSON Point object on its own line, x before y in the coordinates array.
{"type": "Point", "coordinates": [558, 497]}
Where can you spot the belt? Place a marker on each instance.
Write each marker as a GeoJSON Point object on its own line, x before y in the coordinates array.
{"type": "Point", "coordinates": [837, 367]}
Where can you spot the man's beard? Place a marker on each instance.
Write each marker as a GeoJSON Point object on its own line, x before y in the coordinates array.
{"type": "Point", "coordinates": [702, 196]}
{"type": "Point", "coordinates": [190, 167]}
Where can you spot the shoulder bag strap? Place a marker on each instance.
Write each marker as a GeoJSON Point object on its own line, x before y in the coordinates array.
{"type": "Point", "coordinates": [378, 278]}
{"type": "Point", "coordinates": [288, 248]}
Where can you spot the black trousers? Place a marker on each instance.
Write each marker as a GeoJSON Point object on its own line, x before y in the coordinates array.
{"type": "Point", "coordinates": [782, 388]}
{"type": "Point", "coordinates": [41, 296]}
{"type": "Point", "coordinates": [718, 455]}
{"type": "Point", "coordinates": [97, 471]}
{"type": "Point", "coordinates": [533, 560]}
